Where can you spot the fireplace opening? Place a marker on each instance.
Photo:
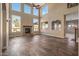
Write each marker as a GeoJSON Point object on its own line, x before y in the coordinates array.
{"type": "Point", "coordinates": [27, 29]}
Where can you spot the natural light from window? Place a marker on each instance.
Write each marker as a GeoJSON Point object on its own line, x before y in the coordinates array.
{"type": "Point", "coordinates": [35, 21]}
{"type": "Point", "coordinates": [27, 9]}
{"type": "Point", "coordinates": [45, 25]}
{"type": "Point", "coordinates": [35, 24]}
{"type": "Point", "coordinates": [16, 23]}
{"type": "Point", "coordinates": [35, 11]}
{"type": "Point", "coordinates": [16, 6]}
{"type": "Point", "coordinates": [45, 9]}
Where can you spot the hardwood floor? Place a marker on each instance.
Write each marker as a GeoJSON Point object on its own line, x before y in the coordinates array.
{"type": "Point", "coordinates": [41, 45]}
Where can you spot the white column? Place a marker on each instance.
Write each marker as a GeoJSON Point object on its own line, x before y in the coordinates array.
{"type": "Point", "coordinates": [1, 37]}
{"type": "Point", "coordinates": [7, 24]}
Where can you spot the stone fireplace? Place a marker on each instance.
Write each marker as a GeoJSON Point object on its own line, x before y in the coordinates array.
{"type": "Point", "coordinates": [27, 29]}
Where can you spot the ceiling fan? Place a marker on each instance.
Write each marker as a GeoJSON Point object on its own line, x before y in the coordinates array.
{"type": "Point", "coordinates": [37, 6]}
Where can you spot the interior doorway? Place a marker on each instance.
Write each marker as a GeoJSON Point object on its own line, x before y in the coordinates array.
{"type": "Point", "coordinates": [71, 26]}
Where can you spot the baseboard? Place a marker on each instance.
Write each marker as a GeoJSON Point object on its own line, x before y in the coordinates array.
{"type": "Point", "coordinates": [53, 36]}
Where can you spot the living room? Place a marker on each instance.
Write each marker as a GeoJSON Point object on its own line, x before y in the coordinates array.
{"type": "Point", "coordinates": [40, 29]}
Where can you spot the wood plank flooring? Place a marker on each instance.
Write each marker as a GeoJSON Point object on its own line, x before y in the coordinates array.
{"type": "Point", "coordinates": [41, 45]}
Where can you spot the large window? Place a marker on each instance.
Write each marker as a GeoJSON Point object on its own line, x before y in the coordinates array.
{"type": "Point", "coordinates": [35, 11]}
{"type": "Point", "coordinates": [35, 24]}
{"type": "Point", "coordinates": [45, 9]}
{"type": "Point", "coordinates": [45, 25]}
{"type": "Point", "coordinates": [16, 6]}
{"type": "Point", "coordinates": [36, 27]}
{"type": "Point", "coordinates": [16, 23]}
{"type": "Point", "coordinates": [27, 9]}
{"type": "Point", "coordinates": [56, 25]}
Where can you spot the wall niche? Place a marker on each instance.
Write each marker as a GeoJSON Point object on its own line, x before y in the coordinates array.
{"type": "Point", "coordinates": [56, 25]}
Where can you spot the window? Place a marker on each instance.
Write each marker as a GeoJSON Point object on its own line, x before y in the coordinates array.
{"type": "Point", "coordinates": [27, 9]}
{"type": "Point", "coordinates": [45, 9]}
{"type": "Point", "coordinates": [35, 11]}
{"type": "Point", "coordinates": [44, 25]}
{"type": "Point", "coordinates": [16, 23]}
{"type": "Point", "coordinates": [35, 25]}
{"type": "Point", "coordinates": [16, 6]}
{"type": "Point", "coordinates": [35, 21]}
